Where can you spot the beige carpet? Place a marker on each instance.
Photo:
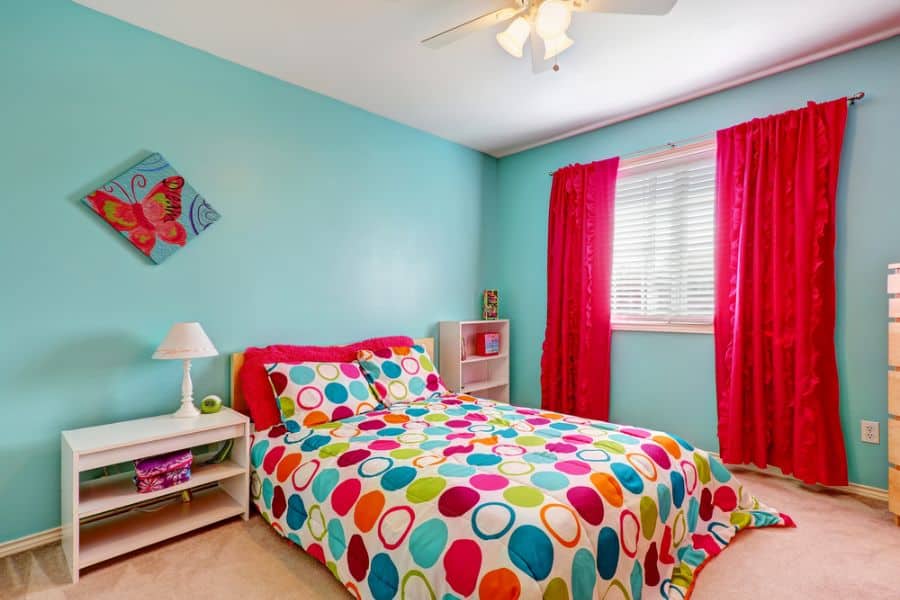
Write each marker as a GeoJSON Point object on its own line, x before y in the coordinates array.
{"type": "Point", "coordinates": [843, 548]}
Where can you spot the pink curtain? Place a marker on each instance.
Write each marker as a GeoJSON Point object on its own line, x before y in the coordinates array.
{"type": "Point", "coordinates": [776, 374]}
{"type": "Point", "coordinates": [575, 362]}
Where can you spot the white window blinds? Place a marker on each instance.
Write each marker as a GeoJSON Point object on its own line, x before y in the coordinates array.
{"type": "Point", "coordinates": [663, 245]}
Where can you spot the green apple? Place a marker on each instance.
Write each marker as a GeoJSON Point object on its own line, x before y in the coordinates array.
{"type": "Point", "coordinates": [210, 404]}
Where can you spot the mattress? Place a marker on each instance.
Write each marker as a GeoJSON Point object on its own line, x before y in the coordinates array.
{"type": "Point", "coordinates": [468, 498]}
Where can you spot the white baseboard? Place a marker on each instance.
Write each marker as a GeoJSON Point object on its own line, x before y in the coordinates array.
{"type": "Point", "coordinates": [30, 542]}
{"type": "Point", "coordinates": [855, 489]}
{"type": "Point", "coordinates": [868, 491]}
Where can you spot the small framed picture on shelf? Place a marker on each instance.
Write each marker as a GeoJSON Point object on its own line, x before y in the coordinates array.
{"type": "Point", "coordinates": [490, 305]}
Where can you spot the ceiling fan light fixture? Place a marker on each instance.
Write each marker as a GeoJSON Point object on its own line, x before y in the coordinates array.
{"type": "Point", "coordinates": [557, 45]}
{"type": "Point", "coordinates": [513, 38]}
{"type": "Point", "coordinates": [553, 19]}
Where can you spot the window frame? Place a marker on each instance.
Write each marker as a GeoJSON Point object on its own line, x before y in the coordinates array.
{"type": "Point", "coordinates": [647, 162]}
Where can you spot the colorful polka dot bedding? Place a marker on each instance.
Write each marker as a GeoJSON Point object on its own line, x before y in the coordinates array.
{"type": "Point", "coordinates": [312, 393]}
{"type": "Point", "coordinates": [458, 497]}
{"type": "Point", "coordinates": [401, 374]}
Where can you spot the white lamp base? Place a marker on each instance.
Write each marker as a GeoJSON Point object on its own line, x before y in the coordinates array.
{"type": "Point", "coordinates": [187, 410]}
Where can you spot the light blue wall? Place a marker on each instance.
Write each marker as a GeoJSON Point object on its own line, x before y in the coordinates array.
{"type": "Point", "coordinates": [666, 381]}
{"type": "Point", "coordinates": [336, 225]}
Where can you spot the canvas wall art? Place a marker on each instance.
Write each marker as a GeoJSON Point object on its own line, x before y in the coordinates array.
{"type": "Point", "coordinates": [153, 207]}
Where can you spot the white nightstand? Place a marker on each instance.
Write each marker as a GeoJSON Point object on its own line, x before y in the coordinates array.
{"type": "Point", "coordinates": [90, 534]}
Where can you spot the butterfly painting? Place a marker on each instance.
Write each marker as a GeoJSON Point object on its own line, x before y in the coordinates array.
{"type": "Point", "coordinates": [153, 207]}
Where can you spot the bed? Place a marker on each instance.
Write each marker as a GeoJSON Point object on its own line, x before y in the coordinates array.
{"type": "Point", "coordinates": [460, 497]}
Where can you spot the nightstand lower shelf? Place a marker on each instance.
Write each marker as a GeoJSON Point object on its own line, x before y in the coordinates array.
{"type": "Point", "coordinates": [117, 491]}
{"type": "Point", "coordinates": [135, 529]}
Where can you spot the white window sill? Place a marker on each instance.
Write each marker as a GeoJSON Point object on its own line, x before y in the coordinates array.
{"type": "Point", "coordinates": [665, 327]}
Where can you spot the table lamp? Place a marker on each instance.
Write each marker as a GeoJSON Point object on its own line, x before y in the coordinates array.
{"type": "Point", "coordinates": [186, 341]}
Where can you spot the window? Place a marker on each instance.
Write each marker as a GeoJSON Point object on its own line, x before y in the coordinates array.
{"type": "Point", "coordinates": [662, 276]}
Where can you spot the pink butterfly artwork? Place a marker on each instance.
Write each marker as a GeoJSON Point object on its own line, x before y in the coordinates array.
{"type": "Point", "coordinates": [145, 204]}
{"type": "Point", "coordinates": [155, 216]}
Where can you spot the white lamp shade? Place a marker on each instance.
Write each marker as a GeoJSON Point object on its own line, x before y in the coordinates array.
{"type": "Point", "coordinates": [553, 19]}
{"type": "Point", "coordinates": [185, 340]}
{"type": "Point", "coordinates": [513, 39]}
{"type": "Point", "coordinates": [556, 45]}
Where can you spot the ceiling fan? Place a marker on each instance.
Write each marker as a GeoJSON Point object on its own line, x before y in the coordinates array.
{"type": "Point", "coordinates": [545, 22]}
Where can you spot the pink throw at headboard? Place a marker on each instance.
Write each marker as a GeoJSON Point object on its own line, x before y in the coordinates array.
{"type": "Point", "coordinates": [239, 402]}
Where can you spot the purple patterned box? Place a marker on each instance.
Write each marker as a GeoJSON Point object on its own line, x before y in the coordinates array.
{"type": "Point", "coordinates": [163, 480]}
{"type": "Point", "coordinates": [163, 463]}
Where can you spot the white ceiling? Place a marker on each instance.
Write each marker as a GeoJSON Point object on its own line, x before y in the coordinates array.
{"type": "Point", "coordinates": [367, 53]}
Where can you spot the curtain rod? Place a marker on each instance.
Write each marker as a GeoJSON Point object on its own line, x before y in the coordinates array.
{"type": "Point", "coordinates": [851, 99]}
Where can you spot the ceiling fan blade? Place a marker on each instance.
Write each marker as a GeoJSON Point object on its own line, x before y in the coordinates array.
{"type": "Point", "coordinates": [538, 63]}
{"type": "Point", "coordinates": [484, 21]}
{"type": "Point", "coordinates": [628, 7]}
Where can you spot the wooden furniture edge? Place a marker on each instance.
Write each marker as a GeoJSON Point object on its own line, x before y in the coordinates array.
{"type": "Point", "coordinates": [237, 361]}
{"type": "Point", "coordinates": [237, 396]}
{"type": "Point", "coordinates": [893, 431]}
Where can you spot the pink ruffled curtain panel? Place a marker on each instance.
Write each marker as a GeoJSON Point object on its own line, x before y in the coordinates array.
{"type": "Point", "coordinates": [575, 361]}
{"type": "Point", "coordinates": [776, 374]}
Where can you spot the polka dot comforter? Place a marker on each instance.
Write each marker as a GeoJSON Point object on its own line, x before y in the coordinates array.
{"type": "Point", "coordinates": [458, 497]}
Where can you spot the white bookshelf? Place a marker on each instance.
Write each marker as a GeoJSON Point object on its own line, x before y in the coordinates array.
{"type": "Point", "coordinates": [107, 517]}
{"type": "Point", "coordinates": [481, 376]}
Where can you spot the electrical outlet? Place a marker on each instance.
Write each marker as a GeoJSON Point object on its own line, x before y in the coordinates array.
{"type": "Point", "coordinates": [870, 432]}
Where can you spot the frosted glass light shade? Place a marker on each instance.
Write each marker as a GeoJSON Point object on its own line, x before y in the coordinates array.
{"type": "Point", "coordinates": [513, 39]}
{"type": "Point", "coordinates": [556, 45]}
{"type": "Point", "coordinates": [185, 340]}
{"type": "Point", "coordinates": [553, 19]}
